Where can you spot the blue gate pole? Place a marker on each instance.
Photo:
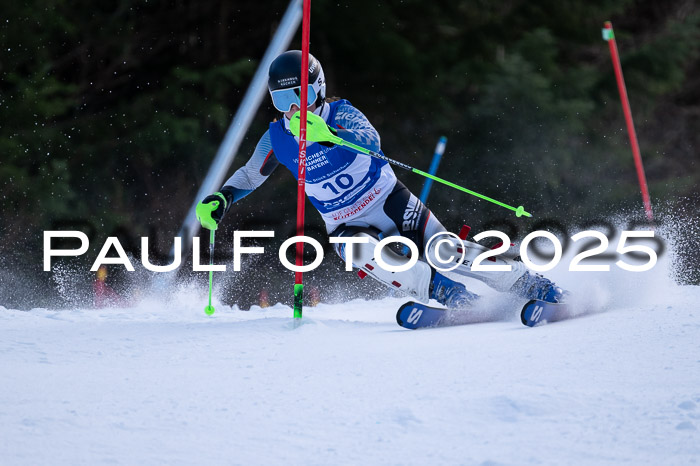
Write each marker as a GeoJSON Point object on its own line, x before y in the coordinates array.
{"type": "Point", "coordinates": [439, 150]}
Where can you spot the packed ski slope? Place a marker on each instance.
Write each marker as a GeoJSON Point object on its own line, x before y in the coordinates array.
{"type": "Point", "coordinates": [162, 383]}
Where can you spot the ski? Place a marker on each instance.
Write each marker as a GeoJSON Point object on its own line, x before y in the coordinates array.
{"type": "Point", "coordinates": [414, 315]}
{"type": "Point", "coordinates": [537, 312]}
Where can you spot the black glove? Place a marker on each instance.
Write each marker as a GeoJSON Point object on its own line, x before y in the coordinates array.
{"type": "Point", "coordinates": [225, 199]}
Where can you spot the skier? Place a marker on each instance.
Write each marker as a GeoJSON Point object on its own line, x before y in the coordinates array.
{"type": "Point", "coordinates": [360, 196]}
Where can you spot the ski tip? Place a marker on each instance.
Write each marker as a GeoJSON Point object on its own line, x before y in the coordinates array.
{"type": "Point", "coordinates": [398, 313]}
{"type": "Point", "coordinates": [523, 318]}
{"type": "Point", "coordinates": [537, 312]}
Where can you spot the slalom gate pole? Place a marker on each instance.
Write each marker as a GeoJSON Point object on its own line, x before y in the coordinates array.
{"type": "Point", "coordinates": [301, 186]}
{"type": "Point", "coordinates": [439, 150]}
{"type": "Point", "coordinates": [609, 36]}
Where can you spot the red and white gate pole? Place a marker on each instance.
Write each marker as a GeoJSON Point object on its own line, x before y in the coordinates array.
{"type": "Point", "coordinates": [609, 36]}
{"type": "Point", "coordinates": [301, 186]}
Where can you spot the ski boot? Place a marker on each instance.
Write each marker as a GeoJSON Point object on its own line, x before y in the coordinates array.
{"type": "Point", "coordinates": [535, 286]}
{"type": "Point", "coordinates": [450, 293]}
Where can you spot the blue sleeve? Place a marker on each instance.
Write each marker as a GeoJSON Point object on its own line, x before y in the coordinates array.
{"type": "Point", "coordinates": [355, 127]}
{"type": "Point", "coordinates": [251, 175]}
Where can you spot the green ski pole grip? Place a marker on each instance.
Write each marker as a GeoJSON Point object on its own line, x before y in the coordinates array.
{"type": "Point", "coordinates": [203, 213]}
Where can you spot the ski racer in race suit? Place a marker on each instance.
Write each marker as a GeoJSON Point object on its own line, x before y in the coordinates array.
{"type": "Point", "coordinates": [358, 195]}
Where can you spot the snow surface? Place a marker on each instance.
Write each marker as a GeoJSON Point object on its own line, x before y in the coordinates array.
{"type": "Point", "coordinates": [162, 383]}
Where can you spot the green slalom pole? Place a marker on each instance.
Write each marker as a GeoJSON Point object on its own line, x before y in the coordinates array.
{"type": "Point", "coordinates": [203, 212]}
{"type": "Point", "coordinates": [318, 131]}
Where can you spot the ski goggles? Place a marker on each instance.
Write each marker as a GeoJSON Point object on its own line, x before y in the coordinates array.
{"type": "Point", "coordinates": [283, 99]}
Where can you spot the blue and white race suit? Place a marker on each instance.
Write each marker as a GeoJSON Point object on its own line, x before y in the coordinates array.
{"type": "Point", "coordinates": [347, 188]}
{"type": "Point", "coordinates": [354, 191]}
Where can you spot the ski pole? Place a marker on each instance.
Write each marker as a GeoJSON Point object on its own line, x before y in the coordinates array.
{"type": "Point", "coordinates": [318, 131]}
{"type": "Point", "coordinates": [209, 310]}
{"type": "Point", "coordinates": [203, 212]}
